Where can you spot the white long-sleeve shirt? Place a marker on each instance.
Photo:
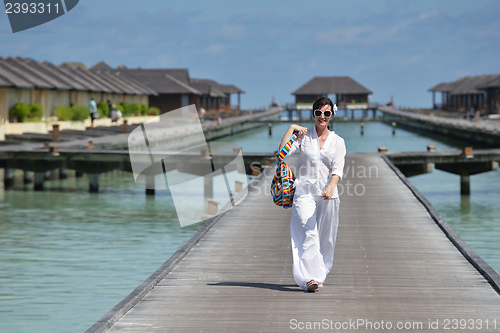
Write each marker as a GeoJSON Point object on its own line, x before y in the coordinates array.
{"type": "Point", "coordinates": [317, 166]}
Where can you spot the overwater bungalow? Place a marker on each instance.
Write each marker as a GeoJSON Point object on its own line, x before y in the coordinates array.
{"type": "Point", "coordinates": [216, 95]}
{"type": "Point", "coordinates": [176, 89]}
{"type": "Point", "coordinates": [24, 80]}
{"type": "Point", "coordinates": [478, 93]}
{"type": "Point", "coordinates": [492, 89]}
{"type": "Point", "coordinates": [349, 93]}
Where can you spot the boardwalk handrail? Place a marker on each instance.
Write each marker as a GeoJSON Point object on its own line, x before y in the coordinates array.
{"type": "Point", "coordinates": [113, 315]}
{"type": "Point", "coordinates": [482, 267]}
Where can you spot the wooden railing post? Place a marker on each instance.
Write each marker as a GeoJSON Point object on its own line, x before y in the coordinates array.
{"type": "Point", "coordinates": [56, 135]}
{"type": "Point", "coordinates": [213, 206]}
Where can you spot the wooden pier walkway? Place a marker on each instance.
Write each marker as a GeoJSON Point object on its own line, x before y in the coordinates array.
{"type": "Point", "coordinates": [393, 266]}
{"type": "Point", "coordinates": [485, 133]}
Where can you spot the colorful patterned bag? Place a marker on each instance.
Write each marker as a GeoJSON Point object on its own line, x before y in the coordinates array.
{"type": "Point", "coordinates": [282, 188]}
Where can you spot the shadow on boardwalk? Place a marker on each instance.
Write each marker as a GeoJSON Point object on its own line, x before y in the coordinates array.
{"type": "Point", "coordinates": [271, 286]}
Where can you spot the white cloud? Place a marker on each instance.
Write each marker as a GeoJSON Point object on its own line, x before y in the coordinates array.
{"type": "Point", "coordinates": [359, 35]}
{"type": "Point", "coordinates": [378, 33]}
{"type": "Point", "coordinates": [417, 58]}
{"type": "Point", "coordinates": [163, 60]}
{"type": "Point", "coordinates": [123, 51]}
{"type": "Point", "coordinates": [214, 49]}
{"type": "Point", "coordinates": [233, 32]}
{"type": "Point", "coordinates": [139, 39]}
{"type": "Point", "coordinates": [427, 15]}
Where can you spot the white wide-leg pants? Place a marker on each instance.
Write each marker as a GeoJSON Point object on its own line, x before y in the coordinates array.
{"type": "Point", "coordinates": [313, 230]}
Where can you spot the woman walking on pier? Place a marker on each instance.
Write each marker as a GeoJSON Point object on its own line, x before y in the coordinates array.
{"type": "Point", "coordinates": [315, 210]}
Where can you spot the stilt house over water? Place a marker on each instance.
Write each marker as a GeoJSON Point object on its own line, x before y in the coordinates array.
{"type": "Point", "coordinates": [176, 89]}
{"type": "Point", "coordinates": [24, 80]}
{"type": "Point", "coordinates": [349, 93]}
{"type": "Point", "coordinates": [476, 93]}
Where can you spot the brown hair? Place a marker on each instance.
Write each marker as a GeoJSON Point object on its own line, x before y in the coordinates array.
{"type": "Point", "coordinates": [322, 101]}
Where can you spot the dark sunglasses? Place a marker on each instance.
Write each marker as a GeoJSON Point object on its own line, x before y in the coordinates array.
{"type": "Point", "coordinates": [318, 113]}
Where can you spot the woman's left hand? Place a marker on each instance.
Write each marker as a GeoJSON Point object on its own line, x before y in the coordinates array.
{"type": "Point", "coordinates": [327, 193]}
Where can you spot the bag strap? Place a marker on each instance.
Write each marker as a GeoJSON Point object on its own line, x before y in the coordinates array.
{"type": "Point", "coordinates": [287, 147]}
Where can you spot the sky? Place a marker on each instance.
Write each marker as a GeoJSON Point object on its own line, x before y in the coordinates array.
{"type": "Point", "coordinates": [271, 48]}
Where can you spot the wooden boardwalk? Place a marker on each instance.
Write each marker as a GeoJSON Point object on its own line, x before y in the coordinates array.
{"type": "Point", "coordinates": [393, 264]}
{"type": "Point", "coordinates": [485, 133]}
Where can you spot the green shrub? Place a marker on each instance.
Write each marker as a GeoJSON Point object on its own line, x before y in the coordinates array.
{"type": "Point", "coordinates": [21, 111]}
{"type": "Point", "coordinates": [103, 109]}
{"type": "Point", "coordinates": [36, 111]}
{"type": "Point", "coordinates": [63, 113]}
{"type": "Point", "coordinates": [153, 111]}
{"type": "Point", "coordinates": [127, 109]}
{"type": "Point", "coordinates": [74, 113]}
{"type": "Point", "coordinates": [119, 107]}
{"type": "Point", "coordinates": [144, 110]}
{"type": "Point", "coordinates": [79, 113]}
{"type": "Point", "coordinates": [137, 109]}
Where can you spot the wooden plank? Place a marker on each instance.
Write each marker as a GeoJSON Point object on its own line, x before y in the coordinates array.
{"type": "Point", "coordinates": [392, 263]}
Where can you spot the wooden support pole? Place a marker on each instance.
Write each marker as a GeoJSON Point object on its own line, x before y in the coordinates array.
{"type": "Point", "coordinates": [28, 177]}
{"type": "Point", "coordinates": [125, 126]}
{"type": "Point", "coordinates": [150, 185]}
{"type": "Point", "coordinates": [54, 151]}
{"type": "Point", "coordinates": [208, 187]}
{"type": "Point", "coordinates": [238, 186]}
{"type": "Point", "coordinates": [93, 182]}
{"type": "Point", "coordinates": [270, 126]}
{"type": "Point", "coordinates": [393, 128]}
{"type": "Point", "coordinates": [477, 116]}
{"type": "Point", "coordinates": [39, 178]}
{"type": "Point", "coordinates": [255, 170]}
{"type": "Point", "coordinates": [8, 179]}
{"type": "Point", "coordinates": [362, 126]}
{"type": "Point", "coordinates": [56, 135]}
{"type": "Point", "coordinates": [63, 173]}
{"type": "Point", "coordinates": [467, 151]}
{"type": "Point", "coordinates": [213, 206]}
{"type": "Point", "coordinates": [465, 184]}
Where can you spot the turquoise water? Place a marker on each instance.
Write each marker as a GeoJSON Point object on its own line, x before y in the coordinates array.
{"type": "Point", "coordinates": [376, 134]}
{"type": "Point", "coordinates": [68, 256]}
{"type": "Point", "coordinates": [476, 218]}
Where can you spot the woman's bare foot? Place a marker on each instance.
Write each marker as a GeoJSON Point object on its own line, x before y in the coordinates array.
{"type": "Point", "coordinates": [312, 286]}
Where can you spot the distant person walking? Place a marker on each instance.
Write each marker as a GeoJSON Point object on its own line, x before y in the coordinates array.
{"type": "Point", "coordinates": [113, 112]}
{"type": "Point", "coordinates": [315, 210]}
{"type": "Point", "coordinates": [110, 108]}
{"type": "Point", "coordinates": [93, 111]}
